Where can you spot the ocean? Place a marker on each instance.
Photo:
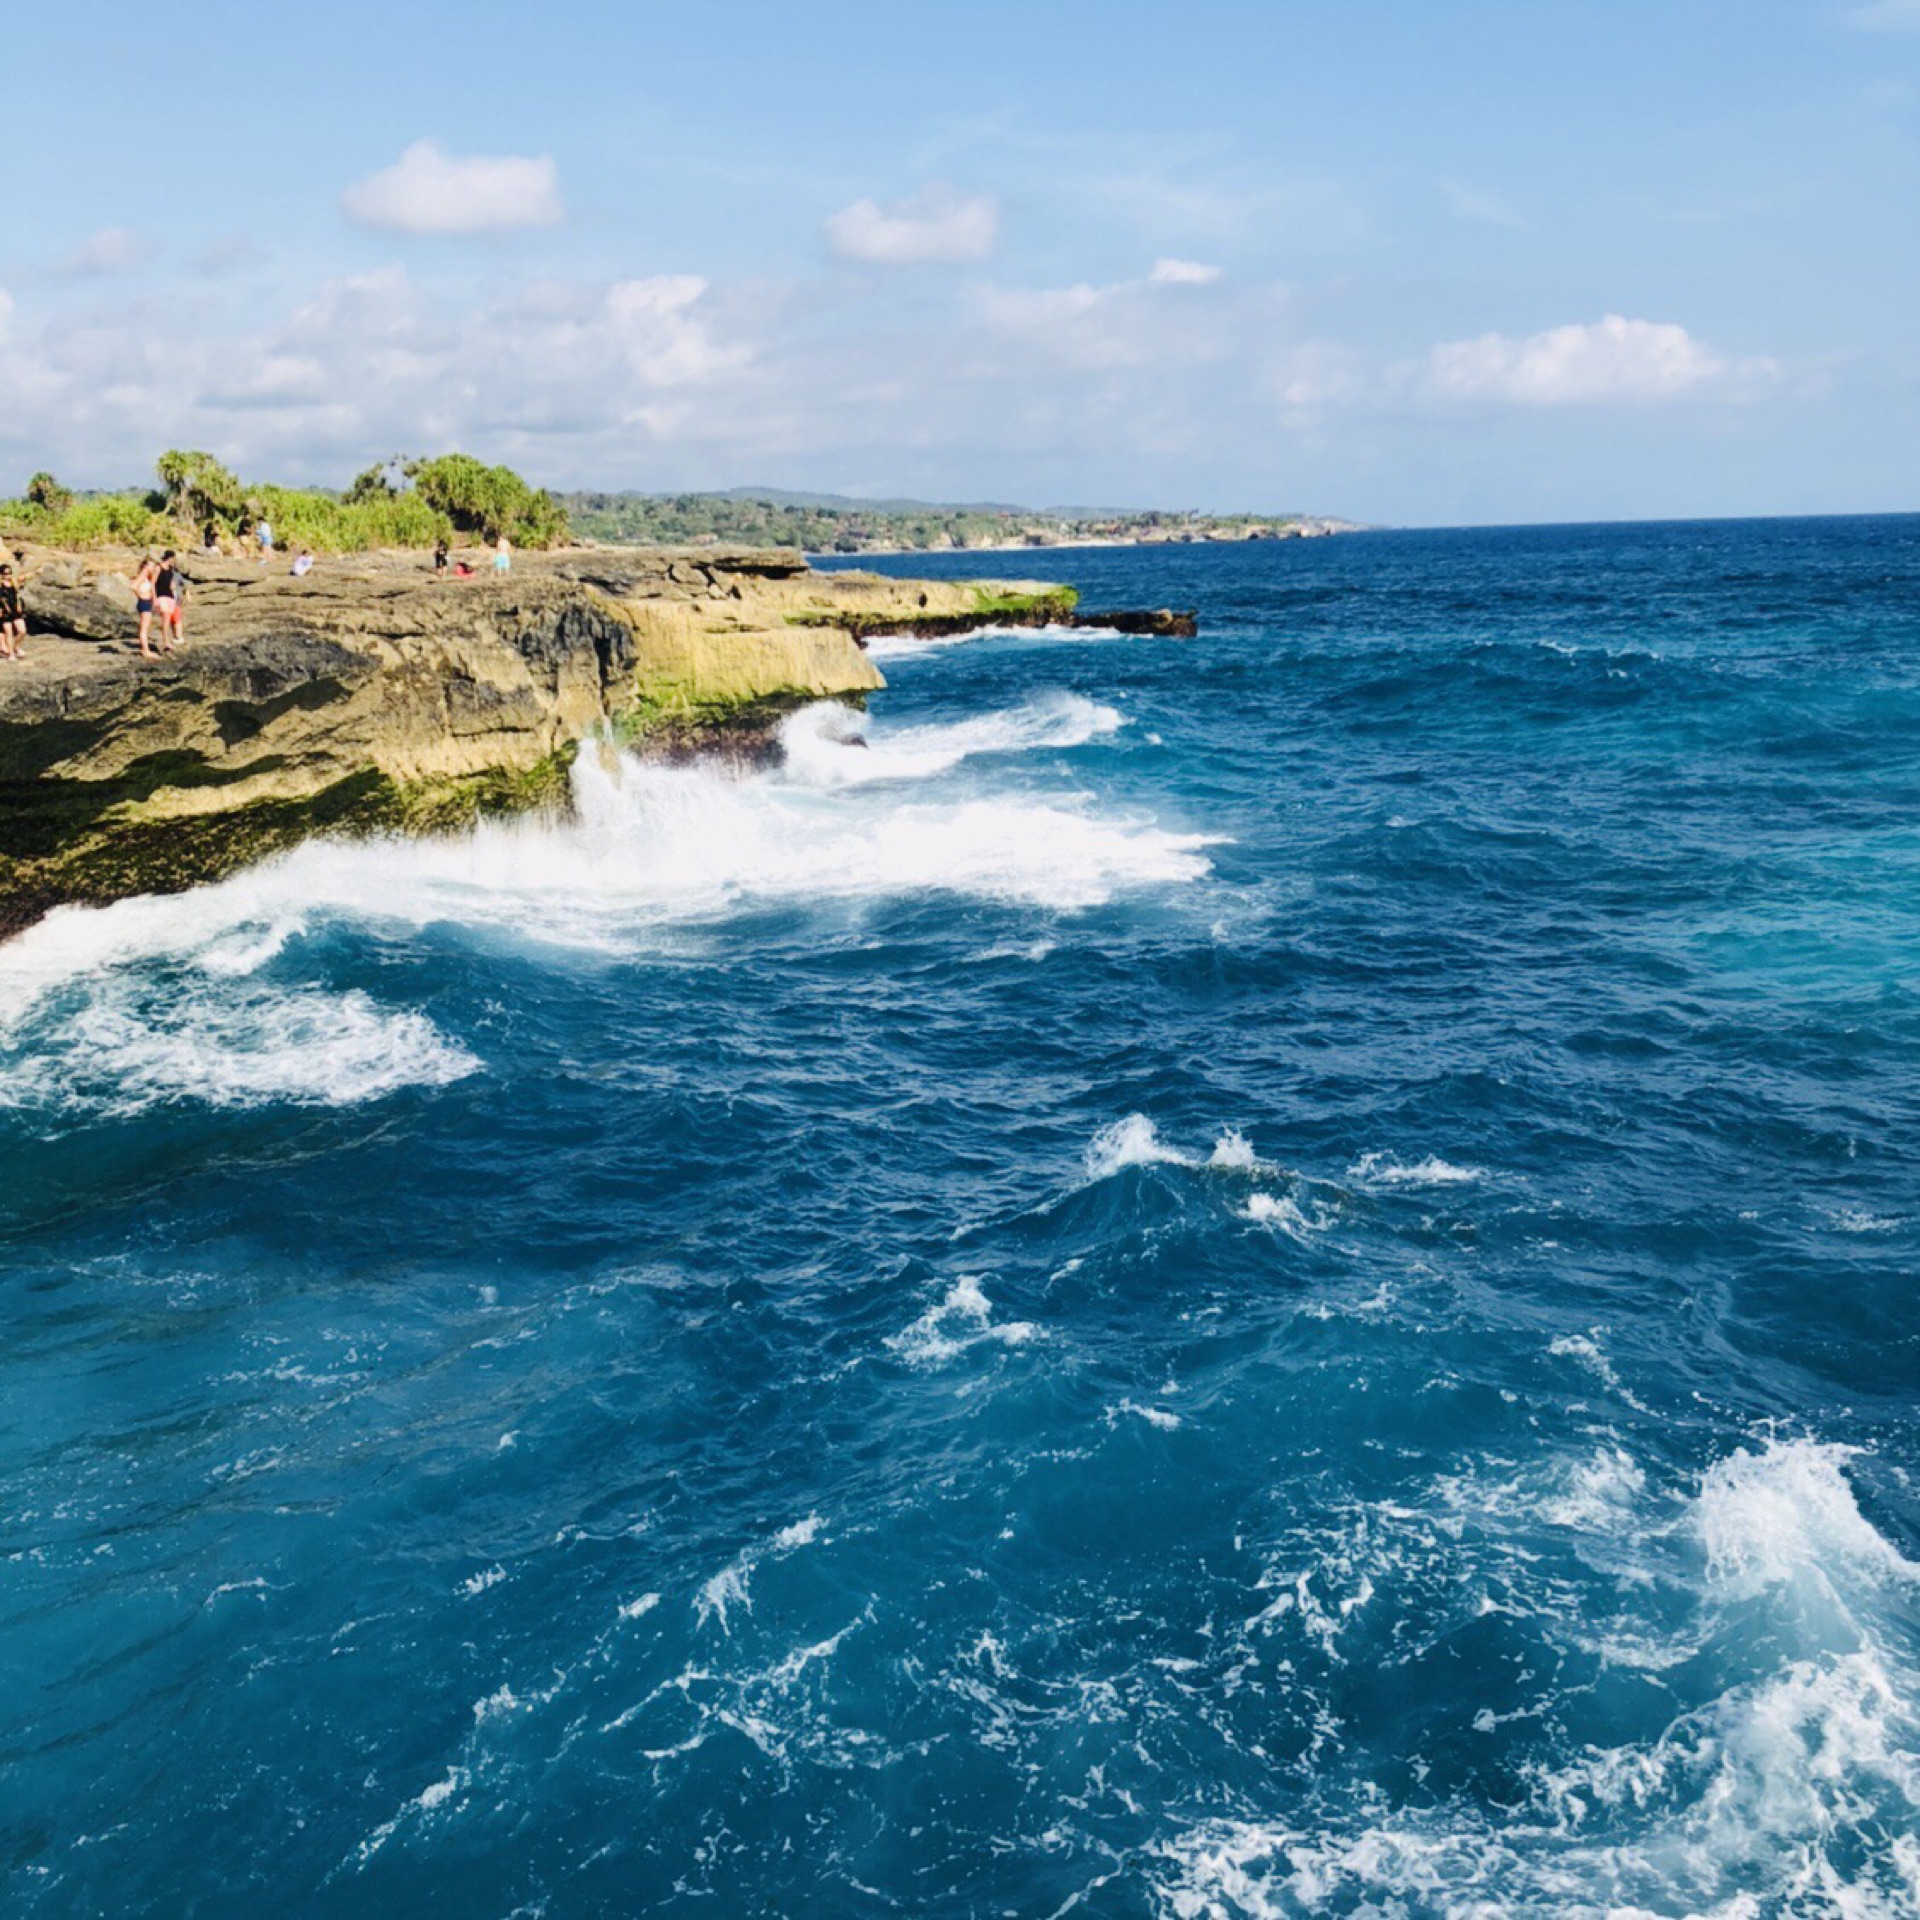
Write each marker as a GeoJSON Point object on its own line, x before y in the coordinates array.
{"type": "Point", "coordinates": [1263, 1275]}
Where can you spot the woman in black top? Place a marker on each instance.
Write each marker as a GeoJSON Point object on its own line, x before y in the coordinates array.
{"type": "Point", "coordinates": [13, 617]}
{"type": "Point", "coordinates": [169, 589]}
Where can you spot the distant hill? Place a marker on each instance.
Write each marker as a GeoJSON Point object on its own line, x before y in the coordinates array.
{"type": "Point", "coordinates": [835, 523]}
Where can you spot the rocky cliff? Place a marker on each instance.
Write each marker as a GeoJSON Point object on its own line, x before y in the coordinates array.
{"type": "Point", "coordinates": [374, 695]}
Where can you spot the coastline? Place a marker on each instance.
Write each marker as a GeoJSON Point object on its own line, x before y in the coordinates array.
{"type": "Point", "coordinates": [373, 695]}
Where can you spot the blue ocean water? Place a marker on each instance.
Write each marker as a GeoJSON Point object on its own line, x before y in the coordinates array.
{"type": "Point", "coordinates": [1264, 1275]}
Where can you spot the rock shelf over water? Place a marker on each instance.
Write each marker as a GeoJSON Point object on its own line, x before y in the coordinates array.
{"type": "Point", "coordinates": [374, 695]}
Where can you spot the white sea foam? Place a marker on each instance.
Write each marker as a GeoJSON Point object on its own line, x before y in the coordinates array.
{"type": "Point", "coordinates": [1132, 1142]}
{"type": "Point", "coordinates": [1285, 1215]}
{"type": "Point", "coordinates": [904, 646]}
{"type": "Point", "coordinates": [1135, 1142]}
{"type": "Point", "coordinates": [1234, 1152]}
{"type": "Point", "coordinates": [653, 844]}
{"type": "Point", "coordinates": [827, 745]}
{"type": "Point", "coordinates": [732, 1586]}
{"type": "Point", "coordinates": [963, 1319]}
{"type": "Point", "coordinates": [1786, 1516]}
{"type": "Point", "coordinates": [1793, 1790]}
{"type": "Point", "coordinates": [1154, 1416]}
{"type": "Point", "coordinates": [1383, 1170]}
{"type": "Point", "coordinates": [127, 1046]}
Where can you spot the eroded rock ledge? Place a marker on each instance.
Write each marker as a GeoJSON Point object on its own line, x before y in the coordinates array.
{"type": "Point", "coordinates": [373, 695]}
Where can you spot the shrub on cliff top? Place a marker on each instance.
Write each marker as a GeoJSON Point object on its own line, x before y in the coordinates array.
{"type": "Point", "coordinates": [103, 520]}
{"type": "Point", "coordinates": [304, 518]}
{"type": "Point", "coordinates": [488, 501]}
{"type": "Point", "coordinates": [46, 493]}
{"type": "Point", "coordinates": [200, 492]}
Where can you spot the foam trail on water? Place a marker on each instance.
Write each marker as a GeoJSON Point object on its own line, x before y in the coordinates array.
{"type": "Point", "coordinates": [827, 745]}
{"type": "Point", "coordinates": [903, 646]}
{"type": "Point", "coordinates": [126, 1048]}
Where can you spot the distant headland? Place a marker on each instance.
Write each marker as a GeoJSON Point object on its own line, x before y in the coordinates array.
{"type": "Point", "coordinates": [405, 503]}
{"type": "Point", "coordinates": [826, 523]}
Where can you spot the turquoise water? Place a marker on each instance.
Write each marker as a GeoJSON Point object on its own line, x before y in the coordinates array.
{"type": "Point", "coordinates": [1265, 1275]}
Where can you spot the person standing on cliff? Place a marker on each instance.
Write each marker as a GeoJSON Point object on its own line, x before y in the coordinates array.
{"type": "Point", "coordinates": [169, 591]}
{"type": "Point", "coordinates": [13, 617]}
{"type": "Point", "coordinates": [503, 556]}
{"type": "Point", "coordinates": [143, 604]}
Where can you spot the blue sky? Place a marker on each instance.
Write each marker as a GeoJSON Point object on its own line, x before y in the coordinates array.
{"type": "Point", "coordinates": [1413, 263]}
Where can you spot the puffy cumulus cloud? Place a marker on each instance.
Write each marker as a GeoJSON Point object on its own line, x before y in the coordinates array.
{"type": "Point", "coordinates": [935, 225]}
{"type": "Point", "coordinates": [111, 250]}
{"type": "Point", "coordinates": [1613, 359]}
{"type": "Point", "coordinates": [428, 190]}
{"type": "Point", "coordinates": [1182, 273]}
{"type": "Point", "coordinates": [561, 377]}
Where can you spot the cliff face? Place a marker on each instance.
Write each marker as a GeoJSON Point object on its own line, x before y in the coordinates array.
{"type": "Point", "coordinates": [372, 695]}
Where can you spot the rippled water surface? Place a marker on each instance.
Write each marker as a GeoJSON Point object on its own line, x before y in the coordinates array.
{"type": "Point", "coordinates": [1264, 1275]}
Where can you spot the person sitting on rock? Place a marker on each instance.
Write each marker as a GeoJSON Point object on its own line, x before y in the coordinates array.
{"type": "Point", "coordinates": [143, 603]}
{"type": "Point", "coordinates": [13, 617]}
{"type": "Point", "coordinates": [303, 565]}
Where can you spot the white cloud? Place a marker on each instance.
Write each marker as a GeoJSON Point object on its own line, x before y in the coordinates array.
{"type": "Point", "coordinates": [1612, 360]}
{"type": "Point", "coordinates": [1182, 273]}
{"type": "Point", "coordinates": [1887, 16]}
{"type": "Point", "coordinates": [427, 190]}
{"type": "Point", "coordinates": [937, 224]}
{"type": "Point", "coordinates": [1027, 309]}
{"type": "Point", "coordinates": [111, 250]}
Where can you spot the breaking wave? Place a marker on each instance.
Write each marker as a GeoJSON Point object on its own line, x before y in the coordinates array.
{"type": "Point", "coordinates": [159, 998]}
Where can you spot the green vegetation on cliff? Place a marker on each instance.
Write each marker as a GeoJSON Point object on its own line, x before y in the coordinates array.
{"type": "Point", "coordinates": [396, 504]}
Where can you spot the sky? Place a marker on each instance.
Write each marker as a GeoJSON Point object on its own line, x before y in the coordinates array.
{"type": "Point", "coordinates": [1406, 262]}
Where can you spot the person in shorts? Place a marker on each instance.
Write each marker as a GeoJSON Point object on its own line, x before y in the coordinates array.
{"type": "Point", "coordinates": [169, 594]}
{"type": "Point", "coordinates": [143, 597]}
{"type": "Point", "coordinates": [13, 617]}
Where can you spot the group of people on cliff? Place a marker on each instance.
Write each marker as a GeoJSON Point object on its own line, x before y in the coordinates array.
{"type": "Point", "coordinates": [160, 593]}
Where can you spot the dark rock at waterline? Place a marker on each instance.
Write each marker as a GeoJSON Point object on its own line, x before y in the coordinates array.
{"type": "Point", "coordinates": [1159, 620]}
